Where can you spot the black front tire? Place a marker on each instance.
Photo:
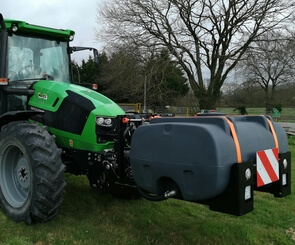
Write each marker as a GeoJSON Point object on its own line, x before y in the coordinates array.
{"type": "Point", "coordinates": [31, 173]}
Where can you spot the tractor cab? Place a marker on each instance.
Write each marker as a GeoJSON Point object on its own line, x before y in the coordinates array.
{"type": "Point", "coordinates": [31, 58]}
{"type": "Point", "coordinates": [31, 53]}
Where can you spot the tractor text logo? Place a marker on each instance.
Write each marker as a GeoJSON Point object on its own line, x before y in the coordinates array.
{"type": "Point", "coordinates": [42, 96]}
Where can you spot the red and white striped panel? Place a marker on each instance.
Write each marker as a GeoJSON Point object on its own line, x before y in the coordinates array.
{"type": "Point", "coordinates": [267, 166]}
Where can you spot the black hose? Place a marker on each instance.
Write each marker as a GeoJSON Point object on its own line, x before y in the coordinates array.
{"type": "Point", "coordinates": [150, 197]}
{"type": "Point", "coordinates": [157, 198]}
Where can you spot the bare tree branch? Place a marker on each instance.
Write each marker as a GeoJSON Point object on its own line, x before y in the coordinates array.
{"type": "Point", "coordinates": [269, 63]}
{"type": "Point", "coordinates": [206, 37]}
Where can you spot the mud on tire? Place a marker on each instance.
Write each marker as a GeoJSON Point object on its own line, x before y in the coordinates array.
{"type": "Point", "coordinates": [31, 173]}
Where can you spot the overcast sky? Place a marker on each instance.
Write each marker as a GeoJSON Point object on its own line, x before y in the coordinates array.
{"type": "Point", "coordinates": [77, 15]}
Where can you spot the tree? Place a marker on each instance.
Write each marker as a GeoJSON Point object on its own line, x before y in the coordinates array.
{"type": "Point", "coordinates": [126, 74]}
{"type": "Point", "coordinates": [206, 37]}
{"type": "Point", "coordinates": [165, 80]}
{"type": "Point", "coordinates": [122, 78]}
{"type": "Point", "coordinates": [89, 71]}
{"type": "Point", "coordinates": [269, 63]}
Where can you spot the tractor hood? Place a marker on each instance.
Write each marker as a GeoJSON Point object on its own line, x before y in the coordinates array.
{"type": "Point", "coordinates": [71, 108]}
{"type": "Point", "coordinates": [51, 96]}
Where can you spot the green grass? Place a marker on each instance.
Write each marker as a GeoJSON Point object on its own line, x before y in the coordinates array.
{"type": "Point", "coordinates": [90, 217]}
{"type": "Point", "coordinates": [255, 111]}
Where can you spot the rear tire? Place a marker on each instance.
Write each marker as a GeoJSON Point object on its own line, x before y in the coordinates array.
{"type": "Point", "coordinates": [31, 173]}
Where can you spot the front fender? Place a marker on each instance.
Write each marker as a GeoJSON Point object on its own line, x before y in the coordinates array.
{"type": "Point", "coordinates": [17, 116]}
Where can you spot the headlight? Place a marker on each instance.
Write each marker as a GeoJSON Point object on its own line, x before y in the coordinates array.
{"type": "Point", "coordinates": [99, 120]}
{"type": "Point", "coordinates": [105, 122]}
{"type": "Point", "coordinates": [108, 121]}
{"type": "Point", "coordinates": [14, 28]}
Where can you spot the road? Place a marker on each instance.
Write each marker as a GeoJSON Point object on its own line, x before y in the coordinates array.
{"type": "Point", "coordinates": [289, 127]}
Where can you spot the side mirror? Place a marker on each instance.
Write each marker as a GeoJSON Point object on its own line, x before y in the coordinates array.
{"type": "Point", "coordinates": [95, 52]}
{"type": "Point", "coordinates": [95, 56]}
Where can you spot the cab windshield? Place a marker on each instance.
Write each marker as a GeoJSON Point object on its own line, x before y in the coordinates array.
{"type": "Point", "coordinates": [36, 58]}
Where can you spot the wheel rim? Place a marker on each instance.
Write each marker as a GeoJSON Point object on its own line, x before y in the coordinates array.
{"type": "Point", "coordinates": [15, 176]}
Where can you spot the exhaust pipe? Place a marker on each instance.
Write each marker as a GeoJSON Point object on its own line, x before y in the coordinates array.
{"type": "Point", "coordinates": [3, 48]}
{"type": "Point", "coordinates": [2, 23]}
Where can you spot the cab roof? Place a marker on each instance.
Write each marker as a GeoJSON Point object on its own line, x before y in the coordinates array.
{"type": "Point", "coordinates": [23, 27]}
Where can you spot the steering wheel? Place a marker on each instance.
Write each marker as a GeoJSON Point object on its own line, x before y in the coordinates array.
{"type": "Point", "coordinates": [29, 71]}
{"type": "Point", "coordinates": [47, 76]}
{"type": "Point", "coordinates": [33, 71]}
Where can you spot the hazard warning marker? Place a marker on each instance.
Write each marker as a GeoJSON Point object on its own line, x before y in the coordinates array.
{"type": "Point", "coordinates": [267, 166]}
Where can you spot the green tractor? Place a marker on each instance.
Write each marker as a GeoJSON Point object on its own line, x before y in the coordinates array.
{"type": "Point", "coordinates": [49, 126]}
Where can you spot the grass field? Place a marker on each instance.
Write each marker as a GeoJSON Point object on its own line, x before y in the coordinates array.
{"type": "Point", "coordinates": [287, 114]}
{"type": "Point", "coordinates": [89, 217]}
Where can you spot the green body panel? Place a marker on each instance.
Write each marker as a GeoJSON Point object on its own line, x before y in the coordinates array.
{"type": "Point", "coordinates": [28, 28]}
{"type": "Point", "coordinates": [86, 141]}
{"type": "Point", "coordinates": [49, 95]}
{"type": "Point", "coordinates": [46, 94]}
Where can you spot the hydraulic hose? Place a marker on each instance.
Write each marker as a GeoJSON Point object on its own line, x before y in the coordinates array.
{"type": "Point", "coordinates": [157, 198]}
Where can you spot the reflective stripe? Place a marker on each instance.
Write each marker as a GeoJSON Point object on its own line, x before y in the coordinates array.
{"type": "Point", "coordinates": [267, 166]}
{"type": "Point", "coordinates": [236, 140]}
{"type": "Point", "coordinates": [273, 133]}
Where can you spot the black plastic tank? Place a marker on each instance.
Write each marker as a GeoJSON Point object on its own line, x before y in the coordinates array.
{"type": "Point", "coordinates": [196, 154]}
